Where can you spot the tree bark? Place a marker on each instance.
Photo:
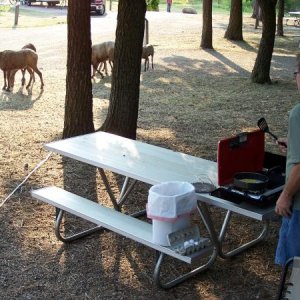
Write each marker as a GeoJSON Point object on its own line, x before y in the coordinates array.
{"type": "Point", "coordinates": [253, 3]}
{"type": "Point", "coordinates": [258, 14]}
{"type": "Point", "coordinates": [261, 70]}
{"type": "Point", "coordinates": [206, 40]}
{"type": "Point", "coordinates": [280, 16]}
{"type": "Point", "coordinates": [234, 30]}
{"type": "Point", "coordinates": [79, 99]}
{"type": "Point", "coordinates": [124, 99]}
{"type": "Point", "coordinates": [257, 10]}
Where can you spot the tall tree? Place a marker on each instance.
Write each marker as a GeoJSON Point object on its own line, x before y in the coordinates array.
{"type": "Point", "coordinates": [124, 98]}
{"type": "Point", "coordinates": [206, 39]}
{"type": "Point", "coordinates": [261, 70]}
{"type": "Point", "coordinates": [78, 102]}
{"type": "Point", "coordinates": [280, 16]}
{"type": "Point", "coordinates": [234, 30]}
{"type": "Point", "coordinates": [253, 4]}
{"type": "Point", "coordinates": [256, 13]}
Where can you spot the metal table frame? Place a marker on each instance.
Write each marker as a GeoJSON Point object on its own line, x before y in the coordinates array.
{"type": "Point", "coordinates": [138, 161]}
{"type": "Point", "coordinates": [117, 204]}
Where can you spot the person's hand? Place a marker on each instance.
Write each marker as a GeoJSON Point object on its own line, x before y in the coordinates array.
{"type": "Point", "coordinates": [283, 205]}
{"type": "Point", "coordinates": [282, 145]}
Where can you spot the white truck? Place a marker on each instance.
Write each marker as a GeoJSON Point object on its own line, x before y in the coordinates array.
{"type": "Point", "coordinates": [49, 2]}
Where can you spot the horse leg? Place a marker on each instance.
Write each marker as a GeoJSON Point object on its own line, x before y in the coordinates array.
{"type": "Point", "coordinates": [37, 71]}
{"type": "Point", "coordinates": [30, 80]}
{"type": "Point", "coordinates": [4, 75]}
{"type": "Point", "coordinates": [8, 79]}
{"type": "Point", "coordinates": [9, 82]}
{"type": "Point", "coordinates": [12, 78]}
{"type": "Point", "coordinates": [111, 64]}
{"type": "Point", "coordinates": [32, 73]}
{"type": "Point", "coordinates": [98, 69]}
{"type": "Point", "coordinates": [33, 77]}
{"type": "Point", "coordinates": [23, 77]}
{"type": "Point", "coordinates": [105, 68]}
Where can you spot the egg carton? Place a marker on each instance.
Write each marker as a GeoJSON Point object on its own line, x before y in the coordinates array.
{"type": "Point", "coordinates": [187, 241]}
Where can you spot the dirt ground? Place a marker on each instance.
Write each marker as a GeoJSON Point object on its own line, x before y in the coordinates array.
{"type": "Point", "coordinates": [188, 102]}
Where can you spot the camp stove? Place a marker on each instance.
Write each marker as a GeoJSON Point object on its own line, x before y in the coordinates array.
{"type": "Point", "coordinates": [246, 153]}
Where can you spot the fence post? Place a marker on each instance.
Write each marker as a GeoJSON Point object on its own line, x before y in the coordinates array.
{"type": "Point", "coordinates": [146, 33]}
{"type": "Point", "coordinates": [17, 6]}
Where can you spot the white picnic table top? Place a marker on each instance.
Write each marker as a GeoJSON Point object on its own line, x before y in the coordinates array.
{"type": "Point", "coordinates": [150, 164]}
{"type": "Point", "coordinates": [295, 13]}
{"type": "Point", "coordinates": [141, 161]}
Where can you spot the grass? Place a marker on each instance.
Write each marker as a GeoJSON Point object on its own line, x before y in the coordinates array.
{"type": "Point", "coordinates": [188, 102]}
{"type": "Point", "coordinates": [29, 18]}
{"type": "Point", "coordinates": [218, 6]}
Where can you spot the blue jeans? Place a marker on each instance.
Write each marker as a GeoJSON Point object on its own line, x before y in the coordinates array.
{"type": "Point", "coordinates": [289, 239]}
{"type": "Point", "coordinates": [168, 7]}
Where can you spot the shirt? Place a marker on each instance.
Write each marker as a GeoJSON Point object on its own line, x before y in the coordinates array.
{"type": "Point", "coordinates": [293, 153]}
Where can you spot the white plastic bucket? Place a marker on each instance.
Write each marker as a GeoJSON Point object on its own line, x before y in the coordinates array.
{"type": "Point", "coordinates": [161, 229]}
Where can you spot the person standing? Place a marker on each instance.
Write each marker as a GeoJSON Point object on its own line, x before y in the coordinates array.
{"type": "Point", "coordinates": [288, 203]}
{"type": "Point", "coordinates": [169, 4]}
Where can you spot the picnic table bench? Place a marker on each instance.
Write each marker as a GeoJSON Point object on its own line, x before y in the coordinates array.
{"type": "Point", "coordinates": [294, 16]}
{"type": "Point", "coordinates": [139, 161]}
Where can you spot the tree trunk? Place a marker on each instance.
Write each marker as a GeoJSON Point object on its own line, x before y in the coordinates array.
{"type": "Point", "coordinates": [206, 40]}
{"type": "Point", "coordinates": [280, 17]}
{"type": "Point", "coordinates": [79, 99]}
{"type": "Point", "coordinates": [253, 3]}
{"type": "Point", "coordinates": [257, 10]}
{"type": "Point", "coordinates": [261, 70]}
{"type": "Point", "coordinates": [258, 14]}
{"type": "Point", "coordinates": [124, 99]}
{"type": "Point", "coordinates": [234, 30]}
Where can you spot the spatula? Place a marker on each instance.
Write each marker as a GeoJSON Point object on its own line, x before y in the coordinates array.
{"type": "Point", "coordinates": [263, 126]}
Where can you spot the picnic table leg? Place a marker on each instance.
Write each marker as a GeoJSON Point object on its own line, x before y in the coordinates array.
{"type": "Point", "coordinates": [108, 188]}
{"type": "Point", "coordinates": [125, 191]}
{"type": "Point", "coordinates": [243, 247]}
{"type": "Point", "coordinates": [75, 236]}
{"type": "Point", "coordinates": [183, 277]}
{"type": "Point", "coordinates": [205, 216]}
{"type": "Point", "coordinates": [117, 203]}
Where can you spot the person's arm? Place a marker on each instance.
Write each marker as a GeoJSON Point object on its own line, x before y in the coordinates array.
{"type": "Point", "coordinates": [285, 200]}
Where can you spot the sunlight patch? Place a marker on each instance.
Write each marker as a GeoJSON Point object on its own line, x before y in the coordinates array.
{"type": "Point", "coordinates": [158, 134]}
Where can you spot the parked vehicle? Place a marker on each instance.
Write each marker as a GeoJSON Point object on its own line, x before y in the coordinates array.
{"type": "Point", "coordinates": [98, 6]}
{"type": "Point", "coordinates": [49, 2]}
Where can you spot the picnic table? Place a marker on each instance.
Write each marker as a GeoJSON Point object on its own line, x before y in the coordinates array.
{"type": "Point", "coordinates": [295, 15]}
{"type": "Point", "coordinates": [138, 161]}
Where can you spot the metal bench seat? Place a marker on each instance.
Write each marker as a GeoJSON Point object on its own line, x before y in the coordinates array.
{"type": "Point", "coordinates": [125, 225]}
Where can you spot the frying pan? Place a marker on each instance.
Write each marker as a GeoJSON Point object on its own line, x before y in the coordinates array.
{"type": "Point", "coordinates": [250, 181]}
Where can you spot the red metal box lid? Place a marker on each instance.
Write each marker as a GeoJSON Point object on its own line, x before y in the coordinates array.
{"type": "Point", "coordinates": [241, 153]}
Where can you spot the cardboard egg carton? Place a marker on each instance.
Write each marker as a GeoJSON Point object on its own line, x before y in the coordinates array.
{"type": "Point", "coordinates": [187, 241]}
